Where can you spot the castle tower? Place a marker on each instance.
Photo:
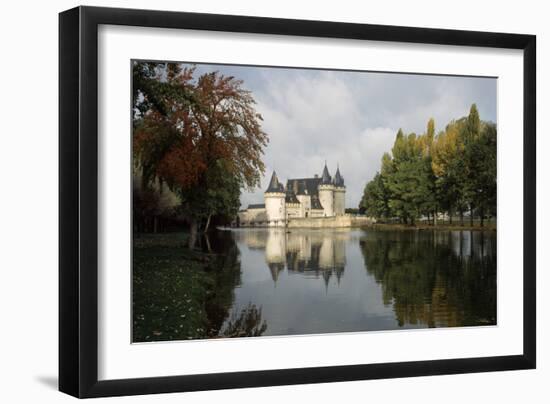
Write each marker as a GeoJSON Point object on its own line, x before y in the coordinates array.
{"type": "Point", "coordinates": [326, 253]}
{"type": "Point", "coordinates": [275, 206]}
{"type": "Point", "coordinates": [275, 251]}
{"type": "Point", "coordinates": [326, 193]}
{"type": "Point", "coordinates": [339, 194]}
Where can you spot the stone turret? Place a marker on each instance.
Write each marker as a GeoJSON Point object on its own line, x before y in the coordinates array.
{"type": "Point", "coordinates": [326, 193]}
{"type": "Point", "coordinates": [275, 206]}
{"type": "Point", "coordinates": [339, 193]}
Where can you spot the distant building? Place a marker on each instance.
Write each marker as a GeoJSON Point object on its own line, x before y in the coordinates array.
{"type": "Point", "coordinates": [301, 198]}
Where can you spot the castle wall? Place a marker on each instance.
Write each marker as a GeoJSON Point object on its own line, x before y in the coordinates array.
{"type": "Point", "coordinates": [316, 213]}
{"type": "Point", "coordinates": [305, 204]}
{"type": "Point", "coordinates": [293, 210]}
{"type": "Point", "coordinates": [326, 196]}
{"type": "Point", "coordinates": [335, 221]}
{"type": "Point", "coordinates": [253, 217]}
{"type": "Point", "coordinates": [339, 201]}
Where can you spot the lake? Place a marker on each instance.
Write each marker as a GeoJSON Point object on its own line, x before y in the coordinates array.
{"type": "Point", "coordinates": [330, 280]}
{"type": "Point", "coordinates": [262, 282]}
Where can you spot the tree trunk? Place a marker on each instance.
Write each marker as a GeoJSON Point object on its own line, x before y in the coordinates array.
{"type": "Point", "coordinates": [207, 240]}
{"type": "Point", "coordinates": [450, 216]}
{"type": "Point", "coordinates": [435, 217]}
{"type": "Point", "coordinates": [207, 223]}
{"type": "Point", "coordinates": [461, 218]}
{"type": "Point", "coordinates": [481, 214]}
{"type": "Point", "coordinates": [471, 217]}
{"type": "Point", "coordinates": [193, 228]}
{"type": "Point", "coordinates": [155, 224]}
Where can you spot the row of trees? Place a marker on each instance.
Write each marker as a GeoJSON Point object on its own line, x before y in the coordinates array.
{"type": "Point", "coordinates": [452, 172]}
{"type": "Point", "coordinates": [199, 138]}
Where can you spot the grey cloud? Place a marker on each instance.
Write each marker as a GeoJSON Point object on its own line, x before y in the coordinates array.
{"type": "Point", "coordinates": [349, 118]}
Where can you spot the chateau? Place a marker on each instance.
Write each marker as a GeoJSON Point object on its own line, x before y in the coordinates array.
{"type": "Point", "coordinates": [302, 198]}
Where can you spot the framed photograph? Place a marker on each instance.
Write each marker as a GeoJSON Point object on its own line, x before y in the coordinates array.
{"type": "Point", "coordinates": [251, 201]}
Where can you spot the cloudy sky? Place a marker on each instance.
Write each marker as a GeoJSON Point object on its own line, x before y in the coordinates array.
{"type": "Point", "coordinates": [349, 118]}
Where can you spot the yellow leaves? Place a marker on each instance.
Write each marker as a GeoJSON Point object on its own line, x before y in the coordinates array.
{"type": "Point", "coordinates": [446, 146]}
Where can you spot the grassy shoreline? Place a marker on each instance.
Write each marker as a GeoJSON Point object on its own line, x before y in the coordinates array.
{"type": "Point", "coordinates": [423, 226]}
{"type": "Point", "coordinates": [171, 285]}
{"type": "Point", "coordinates": [181, 293]}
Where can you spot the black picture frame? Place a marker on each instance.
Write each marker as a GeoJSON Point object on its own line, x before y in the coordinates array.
{"type": "Point", "coordinates": [78, 200]}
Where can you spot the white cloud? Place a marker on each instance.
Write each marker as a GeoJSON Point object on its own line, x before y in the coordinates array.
{"type": "Point", "coordinates": [313, 118]}
{"type": "Point", "coordinates": [349, 118]}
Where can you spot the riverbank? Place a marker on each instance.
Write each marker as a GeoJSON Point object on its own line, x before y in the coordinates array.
{"type": "Point", "coordinates": [176, 293]}
{"type": "Point", "coordinates": [424, 226]}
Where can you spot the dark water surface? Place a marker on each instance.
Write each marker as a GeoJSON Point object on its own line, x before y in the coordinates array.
{"type": "Point", "coordinates": [318, 281]}
{"type": "Point", "coordinates": [261, 282]}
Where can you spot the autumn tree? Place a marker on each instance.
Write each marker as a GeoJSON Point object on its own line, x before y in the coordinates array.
{"type": "Point", "coordinates": [201, 137]}
{"type": "Point", "coordinates": [454, 171]}
{"type": "Point", "coordinates": [448, 168]}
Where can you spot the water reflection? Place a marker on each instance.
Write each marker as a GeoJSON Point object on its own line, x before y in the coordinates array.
{"type": "Point", "coordinates": [253, 282]}
{"type": "Point", "coordinates": [308, 252]}
{"type": "Point", "coordinates": [371, 280]}
{"type": "Point", "coordinates": [247, 323]}
{"type": "Point", "coordinates": [436, 279]}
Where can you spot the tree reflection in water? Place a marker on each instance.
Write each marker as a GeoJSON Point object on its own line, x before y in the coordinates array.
{"type": "Point", "coordinates": [186, 294]}
{"type": "Point", "coordinates": [435, 278]}
{"type": "Point", "coordinates": [247, 323]}
{"type": "Point", "coordinates": [253, 282]}
{"type": "Point", "coordinates": [227, 277]}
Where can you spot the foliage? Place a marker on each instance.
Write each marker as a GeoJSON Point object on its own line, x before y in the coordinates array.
{"type": "Point", "coordinates": [424, 175]}
{"type": "Point", "coordinates": [376, 198]}
{"type": "Point", "coordinates": [429, 282]}
{"type": "Point", "coordinates": [201, 137]}
{"type": "Point", "coordinates": [180, 293]}
{"type": "Point", "coordinates": [248, 323]}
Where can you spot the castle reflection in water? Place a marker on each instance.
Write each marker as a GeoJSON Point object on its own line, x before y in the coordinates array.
{"type": "Point", "coordinates": [322, 253]}
{"type": "Point", "coordinates": [308, 252]}
{"type": "Point", "coordinates": [373, 279]}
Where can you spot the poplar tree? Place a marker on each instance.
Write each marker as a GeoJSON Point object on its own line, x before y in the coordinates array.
{"type": "Point", "coordinates": [452, 172]}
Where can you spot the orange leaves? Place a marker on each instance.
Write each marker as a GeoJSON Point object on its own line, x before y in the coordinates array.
{"type": "Point", "coordinates": [181, 166]}
{"type": "Point", "coordinates": [205, 120]}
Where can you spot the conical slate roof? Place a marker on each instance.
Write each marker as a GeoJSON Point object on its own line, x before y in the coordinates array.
{"type": "Point", "coordinates": [338, 179]}
{"type": "Point", "coordinates": [274, 184]}
{"type": "Point", "coordinates": [325, 178]}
